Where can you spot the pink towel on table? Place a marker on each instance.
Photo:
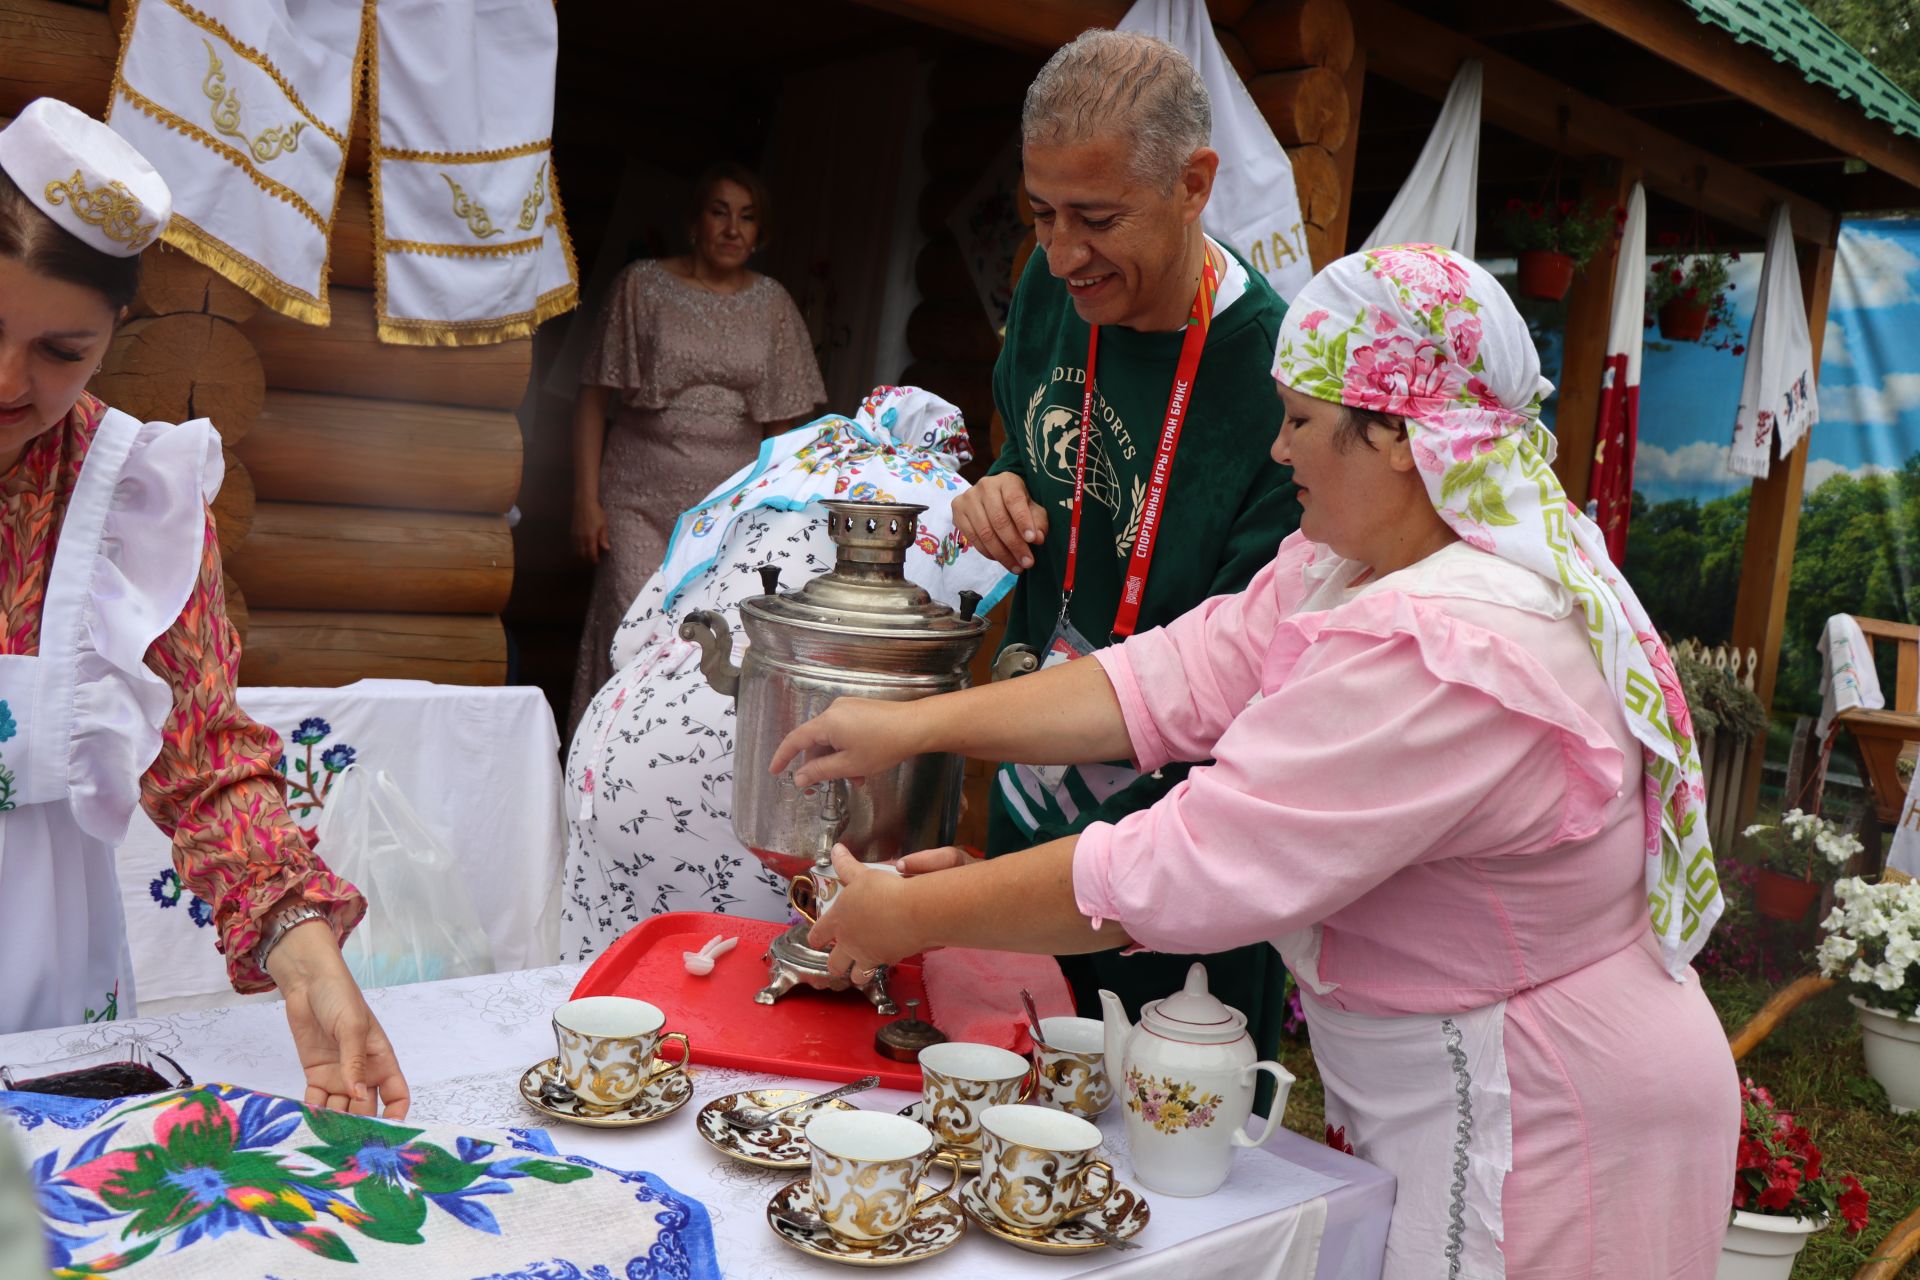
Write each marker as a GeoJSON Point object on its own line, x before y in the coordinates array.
{"type": "Point", "coordinates": [975, 995]}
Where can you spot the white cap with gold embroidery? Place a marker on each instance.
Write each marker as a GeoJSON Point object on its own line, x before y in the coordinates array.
{"type": "Point", "coordinates": [86, 177]}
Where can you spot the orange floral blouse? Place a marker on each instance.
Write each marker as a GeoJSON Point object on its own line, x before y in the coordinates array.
{"type": "Point", "coordinates": [213, 788]}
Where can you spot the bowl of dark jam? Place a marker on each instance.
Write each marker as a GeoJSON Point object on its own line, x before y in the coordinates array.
{"type": "Point", "coordinates": [127, 1070]}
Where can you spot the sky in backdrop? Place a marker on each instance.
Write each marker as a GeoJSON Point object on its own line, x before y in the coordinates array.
{"type": "Point", "coordinates": [1869, 384]}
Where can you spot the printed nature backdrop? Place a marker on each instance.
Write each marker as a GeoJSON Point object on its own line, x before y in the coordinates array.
{"type": "Point", "coordinates": [1859, 539]}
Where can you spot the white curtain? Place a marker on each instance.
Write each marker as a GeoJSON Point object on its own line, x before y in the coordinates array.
{"type": "Point", "coordinates": [1255, 209]}
{"type": "Point", "coordinates": [1436, 202]}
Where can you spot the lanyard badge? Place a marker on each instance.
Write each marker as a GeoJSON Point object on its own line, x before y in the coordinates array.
{"type": "Point", "coordinates": [1133, 589]}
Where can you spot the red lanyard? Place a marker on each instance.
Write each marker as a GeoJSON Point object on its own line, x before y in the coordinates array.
{"type": "Point", "coordinates": [1133, 590]}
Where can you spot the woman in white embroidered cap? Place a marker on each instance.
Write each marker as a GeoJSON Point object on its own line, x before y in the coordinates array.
{"type": "Point", "coordinates": [117, 662]}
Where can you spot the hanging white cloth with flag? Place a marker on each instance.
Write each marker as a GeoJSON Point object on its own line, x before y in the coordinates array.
{"type": "Point", "coordinates": [1255, 209]}
{"type": "Point", "coordinates": [1435, 204]}
{"type": "Point", "coordinates": [1777, 396]}
{"type": "Point", "coordinates": [1847, 676]}
{"type": "Point", "coordinates": [1618, 430]}
{"type": "Point", "coordinates": [245, 108]}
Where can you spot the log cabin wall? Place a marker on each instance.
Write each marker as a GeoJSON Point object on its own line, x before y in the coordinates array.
{"type": "Point", "coordinates": [362, 519]}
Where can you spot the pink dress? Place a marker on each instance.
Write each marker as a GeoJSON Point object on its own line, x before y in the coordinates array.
{"type": "Point", "coordinates": [1425, 794]}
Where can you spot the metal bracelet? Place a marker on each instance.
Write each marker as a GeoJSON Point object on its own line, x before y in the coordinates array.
{"type": "Point", "coordinates": [283, 921]}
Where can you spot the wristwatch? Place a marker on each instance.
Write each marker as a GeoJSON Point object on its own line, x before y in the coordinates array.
{"type": "Point", "coordinates": [278, 924]}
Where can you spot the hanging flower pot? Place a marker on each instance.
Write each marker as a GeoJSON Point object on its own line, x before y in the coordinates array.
{"type": "Point", "coordinates": [1683, 321]}
{"type": "Point", "coordinates": [1781, 896]}
{"type": "Point", "coordinates": [1545, 274]}
{"type": "Point", "coordinates": [1763, 1246]}
{"type": "Point", "coordinates": [1892, 1048]}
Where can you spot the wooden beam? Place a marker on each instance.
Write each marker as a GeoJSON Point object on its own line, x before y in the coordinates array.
{"type": "Point", "coordinates": [1670, 32]}
{"type": "Point", "coordinates": [1017, 24]}
{"type": "Point", "coordinates": [1425, 55]}
{"type": "Point", "coordinates": [1344, 157]}
{"type": "Point", "coordinates": [1589, 317]}
{"type": "Point", "coordinates": [1773, 521]}
{"type": "Point", "coordinates": [1482, 19]}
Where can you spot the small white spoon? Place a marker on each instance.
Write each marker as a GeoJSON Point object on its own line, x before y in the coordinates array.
{"type": "Point", "coordinates": [700, 963]}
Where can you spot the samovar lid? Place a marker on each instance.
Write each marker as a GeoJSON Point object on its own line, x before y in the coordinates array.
{"type": "Point", "coordinates": [867, 588]}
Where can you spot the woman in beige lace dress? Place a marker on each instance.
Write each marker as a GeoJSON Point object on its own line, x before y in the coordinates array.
{"type": "Point", "coordinates": [697, 360]}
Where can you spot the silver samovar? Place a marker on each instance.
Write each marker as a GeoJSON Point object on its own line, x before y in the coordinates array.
{"type": "Point", "coordinates": [863, 630]}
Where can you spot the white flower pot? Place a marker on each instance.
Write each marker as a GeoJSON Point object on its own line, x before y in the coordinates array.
{"type": "Point", "coordinates": [1892, 1046]}
{"type": "Point", "coordinates": [1762, 1246]}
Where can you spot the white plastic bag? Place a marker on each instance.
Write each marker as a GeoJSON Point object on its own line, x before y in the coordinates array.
{"type": "Point", "coordinates": [420, 924]}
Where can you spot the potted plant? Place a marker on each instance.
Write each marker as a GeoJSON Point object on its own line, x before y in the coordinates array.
{"type": "Point", "coordinates": [1785, 885]}
{"type": "Point", "coordinates": [1782, 1193]}
{"type": "Point", "coordinates": [1554, 240]}
{"type": "Point", "coordinates": [1687, 289]}
{"type": "Point", "coordinates": [1873, 945]}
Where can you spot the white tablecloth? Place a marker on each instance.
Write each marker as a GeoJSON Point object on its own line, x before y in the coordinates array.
{"type": "Point", "coordinates": [480, 765]}
{"type": "Point", "coordinates": [464, 1044]}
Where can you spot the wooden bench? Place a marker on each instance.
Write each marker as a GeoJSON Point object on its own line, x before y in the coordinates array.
{"type": "Point", "coordinates": [1883, 735]}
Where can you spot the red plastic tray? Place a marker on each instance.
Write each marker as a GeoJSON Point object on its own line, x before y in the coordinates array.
{"type": "Point", "coordinates": [816, 1035]}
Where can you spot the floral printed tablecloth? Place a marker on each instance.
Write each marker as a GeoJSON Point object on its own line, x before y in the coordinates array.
{"type": "Point", "coordinates": [218, 1180]}
{"type": "Point", "coordinates": [480, 765]}
{"type": "Point", "coordinates": [1296, 1209]}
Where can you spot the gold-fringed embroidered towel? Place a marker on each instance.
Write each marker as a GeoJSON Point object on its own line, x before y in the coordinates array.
{"type": "Point", "coordinates": [246, 109]}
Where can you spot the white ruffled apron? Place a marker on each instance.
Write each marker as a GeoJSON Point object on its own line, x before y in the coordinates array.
{"type": "Point", "coordinates": [1423, 1096]}
{"type": "Point", "coordinates": [75, 721]}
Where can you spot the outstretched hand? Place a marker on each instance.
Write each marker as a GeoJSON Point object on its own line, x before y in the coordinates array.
{"type": "Point", "coordinates": [349, 1062]}
{"type": "Point", "coordinates": [854, 738]}
{"type": "Point", "coordinates": [869, 923]}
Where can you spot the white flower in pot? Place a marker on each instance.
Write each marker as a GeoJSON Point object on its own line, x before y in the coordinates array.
{"type": "Point", "coordinates": [1873, 945]}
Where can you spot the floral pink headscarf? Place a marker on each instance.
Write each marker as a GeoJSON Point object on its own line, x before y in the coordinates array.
{"type": "Point", "coordinates": [1419, 331]}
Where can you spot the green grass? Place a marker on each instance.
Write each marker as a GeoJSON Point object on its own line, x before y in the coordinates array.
{"type": "Point", "coordinates": [1812, 1064]}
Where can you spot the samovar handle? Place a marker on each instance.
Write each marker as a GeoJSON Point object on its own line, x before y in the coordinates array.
{"type": "Point", "coordinates": [1015, 660]}
{"type": "Point", "coordinates": [710, 631]}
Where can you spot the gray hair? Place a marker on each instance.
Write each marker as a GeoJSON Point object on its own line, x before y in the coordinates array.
{"type": "Point", "coordinates": [1122, 82]}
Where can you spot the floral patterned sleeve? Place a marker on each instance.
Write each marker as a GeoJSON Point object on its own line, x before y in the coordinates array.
{"type": "Point", "coordinates": [214, 790]}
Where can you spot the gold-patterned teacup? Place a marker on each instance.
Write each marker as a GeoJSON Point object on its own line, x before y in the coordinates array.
{"type": "Point", "coordinates": [607, 1046]}
{"type": "Point", "coordinates": [867, 1167]}
{"type": "Point", "coordinates": [1073, 1066]}
{"type": "Point", "coordinates": [1037, 1167]}
{"type": "Point", "coordinates": [960, 1080]}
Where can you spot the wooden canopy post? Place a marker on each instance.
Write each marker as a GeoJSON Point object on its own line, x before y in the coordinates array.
{"type": "Point", "coordinates": [1589, 317]}
{"type": "Point", "coordinates": [1773, 521]}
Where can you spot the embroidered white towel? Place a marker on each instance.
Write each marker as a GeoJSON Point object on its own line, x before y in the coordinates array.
{"type": "Point", "coordinates": [1847, 675]}
{"type": "Point", "coordinates": [245, 108]}
{"type": "Point", "coordinates": [1777, 397]}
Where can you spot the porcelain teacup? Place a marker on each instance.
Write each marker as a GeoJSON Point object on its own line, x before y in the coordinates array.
{"type": "Point", "coordinates": [1073, 1066]}
{"type": "Point", "coordinates": [960, 1080]}
{"type": "Point", "coordinates": [607, 1046]}
{"type": "Point", "coordinates": [867, 1167]}
{"type": "Point", "coordinates": [1037, 1166]}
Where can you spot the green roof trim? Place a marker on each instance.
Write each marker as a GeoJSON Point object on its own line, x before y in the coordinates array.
{"type": "Point", "coordinates": [1792, 35]}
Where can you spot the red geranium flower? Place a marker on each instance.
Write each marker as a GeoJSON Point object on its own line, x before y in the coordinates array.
{"type": "Point", "coordinates": [1853, 1204]}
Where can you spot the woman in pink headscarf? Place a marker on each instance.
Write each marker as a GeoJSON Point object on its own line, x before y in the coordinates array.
{"type": "Point", "coordinates": [1454, 781]}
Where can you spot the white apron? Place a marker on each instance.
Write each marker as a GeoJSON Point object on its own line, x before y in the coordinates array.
{"type": "Point", "coordinates": [1424, 1096]}
{"type": "Point", "coordinates": [82, 718]}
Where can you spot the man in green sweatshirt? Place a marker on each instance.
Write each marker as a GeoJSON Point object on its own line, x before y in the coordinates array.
{"type": "Point", "coordinates": [1164, 467]}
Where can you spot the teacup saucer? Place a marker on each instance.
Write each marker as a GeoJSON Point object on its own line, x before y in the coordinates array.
{"type": "Point", "coordinates": [935, 1227]}
{"type": "Point", "coordinates": [1125, 1214]}
{"type": "Point", "coordinates": [662, 1095]}
{"type": "Point", "coordinates": [781, 1145]}
{"type": "Point", "coordinates": [968, 1157]}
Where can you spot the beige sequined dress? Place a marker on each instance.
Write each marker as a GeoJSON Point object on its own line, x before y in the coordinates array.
{"type": "Point", "coordinates": [695, 375]}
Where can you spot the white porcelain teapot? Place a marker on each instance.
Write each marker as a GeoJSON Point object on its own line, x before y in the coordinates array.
{"type": "Point", "coordinates": [1185, 1078]}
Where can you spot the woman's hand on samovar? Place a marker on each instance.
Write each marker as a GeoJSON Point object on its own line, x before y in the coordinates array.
{"type": "Point", "coordinates": [869, 923]}
{"type": "Point", "coordinates": [853, 738]}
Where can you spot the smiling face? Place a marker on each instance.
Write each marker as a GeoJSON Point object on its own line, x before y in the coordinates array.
{"type": "Point", "coordinates": [727, 228]}
{"type": "Point", "coordinates": [1120, 243]}
{"type": "Point", "coordinates": [52, 336]}
{"type": "Point", "coordinates": [1363, 497]}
